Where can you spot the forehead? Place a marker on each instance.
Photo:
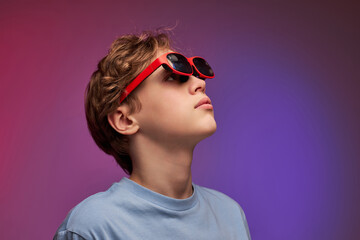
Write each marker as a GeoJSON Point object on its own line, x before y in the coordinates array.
{"type": "Point", "coordinates": [161, 52]}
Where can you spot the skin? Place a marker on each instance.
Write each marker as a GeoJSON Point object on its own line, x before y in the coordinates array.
{"type": "Point", "coordinates": [164, 133]}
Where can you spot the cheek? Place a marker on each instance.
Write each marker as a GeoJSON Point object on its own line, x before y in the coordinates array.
{"type": "Point", "coordinates": [168, 102]}
{"type": "Point", "coordinates": [165, 109]}
{"type": "Point", "coordinates": [167, 113]}
{"type": "Point", "coordinates": [175, 107]}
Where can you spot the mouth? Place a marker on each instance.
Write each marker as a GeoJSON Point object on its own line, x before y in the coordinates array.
{"type": "Point", "coordinates": [204, 101]}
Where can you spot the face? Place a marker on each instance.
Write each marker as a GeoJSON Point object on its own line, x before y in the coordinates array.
{"type": "Point", "coordinates": [168, 113]}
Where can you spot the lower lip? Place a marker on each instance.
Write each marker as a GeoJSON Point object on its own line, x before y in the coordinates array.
{"type": "Point", "coordinates": [206, 106]}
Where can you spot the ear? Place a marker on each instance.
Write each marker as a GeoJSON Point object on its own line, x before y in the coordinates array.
{"type": "Point", "coordinates": [122, 122]}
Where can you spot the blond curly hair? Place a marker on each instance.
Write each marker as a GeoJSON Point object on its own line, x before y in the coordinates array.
{"type": "Point", "coordinates": [126, 58]}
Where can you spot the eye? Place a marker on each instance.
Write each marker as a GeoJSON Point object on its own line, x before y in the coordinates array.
{"type": "Point", "coordinates": [169, 78]}
{"type": "Point", "coordinates": [176, 77]}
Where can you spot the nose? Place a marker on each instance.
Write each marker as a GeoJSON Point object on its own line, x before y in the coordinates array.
{"type": "Point", "coordinates": [196, 84]}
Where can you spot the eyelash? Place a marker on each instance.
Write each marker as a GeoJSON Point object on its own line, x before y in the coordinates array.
{"type": "Point", "coordinates": [167, 78]}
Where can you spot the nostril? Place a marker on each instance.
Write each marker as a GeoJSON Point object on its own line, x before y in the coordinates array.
{"type": "Point", "coordinates": [200, 88]}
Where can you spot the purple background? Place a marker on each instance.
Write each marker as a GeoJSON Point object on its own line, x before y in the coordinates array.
{"type": "Point", "coordinates": [286, 101]}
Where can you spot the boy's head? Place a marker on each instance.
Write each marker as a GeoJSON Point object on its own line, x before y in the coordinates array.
{"type": "Point", "coordinates": [162, 107]}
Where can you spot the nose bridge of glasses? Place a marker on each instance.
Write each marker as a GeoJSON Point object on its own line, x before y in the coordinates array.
{"type": "Point", "coordinates": [195, 72]}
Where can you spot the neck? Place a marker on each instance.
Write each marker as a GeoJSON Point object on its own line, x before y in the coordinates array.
{"type": "Point", "coordinates": [164, 168]}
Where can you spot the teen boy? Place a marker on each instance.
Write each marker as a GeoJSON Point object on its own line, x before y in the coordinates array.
{"type": "Point", "coordinates": [146, 106]}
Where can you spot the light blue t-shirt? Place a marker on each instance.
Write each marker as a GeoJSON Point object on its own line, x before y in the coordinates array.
{"type": "Point", "coordinates": [130, 211]}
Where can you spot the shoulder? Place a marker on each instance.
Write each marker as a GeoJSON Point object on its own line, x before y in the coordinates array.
{"type": "Point", "coordinates": [90, 216]}
{"type": "Point", "coordinates": [218, 198]}
{"type": "Point", "coordinates": [67, 235]}
{"type": "Point", "coordinates": [214, 194]}
{"type": "Point", "coordinates": [224, 206]}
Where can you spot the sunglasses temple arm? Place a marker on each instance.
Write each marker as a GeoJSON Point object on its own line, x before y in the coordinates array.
{"type": "Point", "coordinates": [141, 77]}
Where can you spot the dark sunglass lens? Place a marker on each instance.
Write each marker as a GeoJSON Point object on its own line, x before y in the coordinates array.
{"type": "Point", "coordinates": [203, 67]}
{"type": "Point", "coordinates": [179, 63]}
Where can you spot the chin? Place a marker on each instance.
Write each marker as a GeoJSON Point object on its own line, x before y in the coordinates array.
{"type": "Point", "coordinates": [209, 129]}
{"type": "Point", "coordinates": [213, 129]}
{"type": "Point", "coordinates": [202, 131]}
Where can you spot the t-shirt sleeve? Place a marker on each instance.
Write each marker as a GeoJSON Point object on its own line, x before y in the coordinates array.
{"type": "Point", "coordinates": [245, 222]}
{"type": "Point", "coordinates": [67, 235]}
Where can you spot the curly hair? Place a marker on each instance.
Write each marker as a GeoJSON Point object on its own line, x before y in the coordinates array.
{"type": "Point", "coordinates": [126, 58]}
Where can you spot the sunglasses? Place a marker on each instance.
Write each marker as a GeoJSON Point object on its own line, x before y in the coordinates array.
{"type": "Point", "coordinates": [176, 63]}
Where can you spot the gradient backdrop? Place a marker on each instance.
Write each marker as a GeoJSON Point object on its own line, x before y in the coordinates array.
{"type": "Point", "coordinates": [286, 101]}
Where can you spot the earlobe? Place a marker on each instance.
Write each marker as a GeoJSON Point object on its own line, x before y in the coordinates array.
{"type": "Point", "coordinates": [122, 122]}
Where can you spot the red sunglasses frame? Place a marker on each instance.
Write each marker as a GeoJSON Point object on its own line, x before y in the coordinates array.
{"type": "Point", "coordinates": [155, 65]}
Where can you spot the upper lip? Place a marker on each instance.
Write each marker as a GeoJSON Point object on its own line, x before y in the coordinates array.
{"type": "Point", "coordinates": [203, 101]}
